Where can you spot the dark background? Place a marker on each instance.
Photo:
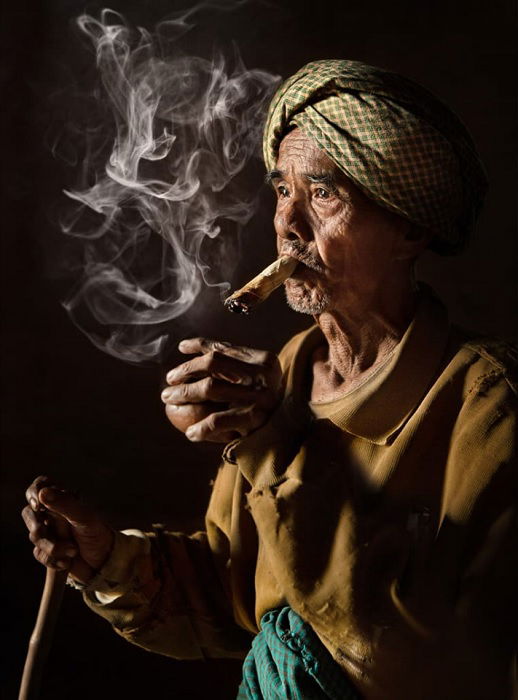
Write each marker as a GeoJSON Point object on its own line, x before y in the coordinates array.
{"type": "Point", "coordinates": [97, 424]}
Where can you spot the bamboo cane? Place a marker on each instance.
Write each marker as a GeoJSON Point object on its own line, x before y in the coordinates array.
{"type": "Point", "coordinates": [41, 638]}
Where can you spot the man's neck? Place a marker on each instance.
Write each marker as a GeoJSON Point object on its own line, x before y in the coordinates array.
{"type": "Point", "coordinates": [357, 343]}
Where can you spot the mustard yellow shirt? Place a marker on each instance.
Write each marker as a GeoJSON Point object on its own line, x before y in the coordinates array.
{"type": "Point", "coordinates": [384, 518]}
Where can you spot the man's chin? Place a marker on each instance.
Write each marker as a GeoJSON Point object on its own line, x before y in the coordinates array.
{"type": "Point", "coordinates": [303, 302]}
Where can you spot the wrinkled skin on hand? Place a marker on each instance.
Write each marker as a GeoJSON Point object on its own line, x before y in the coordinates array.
{"type": "Point", "coordinates": [66, 533]}
{"type": "Point", "coordinates": [225, 392]}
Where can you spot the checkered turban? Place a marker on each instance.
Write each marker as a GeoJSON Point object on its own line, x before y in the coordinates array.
{"type": "Point", "coordinates": [397, 142]}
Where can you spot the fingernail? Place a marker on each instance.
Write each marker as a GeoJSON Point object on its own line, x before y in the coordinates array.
{"type": "Point", "coordinates": [191, 434]}
{"type": "Point", "coordinates": [166, 394]}
{"type": "Point", "coordinates": [34, 504]}
{"type": "Point", "coordinates": [171, 375]}
{"type": "Point", "coordinates": [237, 379]}
{"type": "Point", "coordinates": [182, 345]}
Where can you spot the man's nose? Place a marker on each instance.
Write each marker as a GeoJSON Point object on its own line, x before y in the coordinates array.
{"type": "Point", "coordinates": [291, 221]}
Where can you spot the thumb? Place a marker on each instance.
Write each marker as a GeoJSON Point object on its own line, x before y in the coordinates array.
{"type": "Point", "coordinates": [80, 516]}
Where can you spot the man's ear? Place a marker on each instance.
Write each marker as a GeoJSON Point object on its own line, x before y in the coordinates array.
{"type": "Point", "coordinates": [412, 242]}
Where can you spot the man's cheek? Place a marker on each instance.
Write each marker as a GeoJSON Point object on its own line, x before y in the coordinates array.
{"type": "Point", "coordinates": [331, 253]}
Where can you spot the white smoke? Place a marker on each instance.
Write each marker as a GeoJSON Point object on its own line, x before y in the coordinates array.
{"type": "Point", "coordinates": [183, 128]}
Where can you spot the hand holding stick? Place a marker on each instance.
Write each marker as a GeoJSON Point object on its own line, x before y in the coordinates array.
{"type": "Point", "coordinates": [68, 536]}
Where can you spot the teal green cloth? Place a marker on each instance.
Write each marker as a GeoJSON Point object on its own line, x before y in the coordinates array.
{"type": "Point", "coordinates": [288, 661]}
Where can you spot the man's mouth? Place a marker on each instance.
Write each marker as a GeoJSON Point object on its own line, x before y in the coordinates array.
{"type": "Point", "coordinates": [306, 268]}
{"type": "Point", "coordinates": [305, 259]}
{"type": "Point", "coordinates": [301, 273]}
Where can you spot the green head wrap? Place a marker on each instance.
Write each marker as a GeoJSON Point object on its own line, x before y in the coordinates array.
{"type": "Point", "coordinates": [397, 142]}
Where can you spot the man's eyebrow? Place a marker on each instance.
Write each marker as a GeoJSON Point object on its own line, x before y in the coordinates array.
{"type": "Point", "coordinates": [320, 178]}
{"type": "Point", "coordinates": [272, 175]}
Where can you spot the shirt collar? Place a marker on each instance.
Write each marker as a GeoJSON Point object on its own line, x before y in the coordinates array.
{"type": "Point", "coordinates": [380, 406]}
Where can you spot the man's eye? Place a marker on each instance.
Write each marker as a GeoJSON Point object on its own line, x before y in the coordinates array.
{"type": "Point", "coordinates": [282, 191]}
{"type": "Point", "coordinates": [322, 193]}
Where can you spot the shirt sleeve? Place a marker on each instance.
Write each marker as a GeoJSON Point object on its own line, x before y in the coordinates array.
{"type": "Point", "coordinates": [169, 592]}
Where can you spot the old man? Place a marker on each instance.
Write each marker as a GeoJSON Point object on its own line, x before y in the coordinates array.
{"type": "Point", "coordinates": [361, 523]}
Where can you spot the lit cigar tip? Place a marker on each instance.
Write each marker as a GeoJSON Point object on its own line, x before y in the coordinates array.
{"type": "Point", "coordinates": [241, 302]}
{"type": "Point", "coordinates": [236, 307]}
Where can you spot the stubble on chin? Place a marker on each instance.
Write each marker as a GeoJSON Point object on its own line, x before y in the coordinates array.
{"type": "Point", "coordinates": [306, 301]}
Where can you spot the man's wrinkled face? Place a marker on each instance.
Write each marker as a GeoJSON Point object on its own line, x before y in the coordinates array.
{"type": "Point", "coordinates": [348, 244]}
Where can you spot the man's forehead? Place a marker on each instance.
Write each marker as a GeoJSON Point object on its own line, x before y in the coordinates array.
{"type": "Point", "coordinates": [296, 142]}
{"type": "Point", "coordinates": [299, 151]}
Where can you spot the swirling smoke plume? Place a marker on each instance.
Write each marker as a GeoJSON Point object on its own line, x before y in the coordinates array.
{"type": "Point", "coordinates": [152, 219]}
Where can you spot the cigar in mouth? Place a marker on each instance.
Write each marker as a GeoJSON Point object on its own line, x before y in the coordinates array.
{"type": "Point", "coordinates": [260, 287]}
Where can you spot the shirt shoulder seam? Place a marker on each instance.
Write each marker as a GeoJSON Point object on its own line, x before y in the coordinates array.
{"type": "Point", "coordinates": [501, 355]}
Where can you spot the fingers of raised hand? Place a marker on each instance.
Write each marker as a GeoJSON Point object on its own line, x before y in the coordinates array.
{"type": "Point", "coordinates": [223, 426]}
{"type": "Point", "coordinates": [184, 415]}
{"type": "Point", "coordinates": [209, 389]}
{"type": "Point", "coordinates": [265, 373]}
{"type": "Point", "coordinates": [217, 365]}
{"type": "Point", "coordinates": [239, 352]}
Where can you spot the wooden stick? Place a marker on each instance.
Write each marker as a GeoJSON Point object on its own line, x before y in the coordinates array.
{"type": "Point", "coordinates": [41, 638]}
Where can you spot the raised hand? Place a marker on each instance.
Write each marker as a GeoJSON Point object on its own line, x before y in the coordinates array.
{"type": "Point", "coordinates": [227, 391]}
